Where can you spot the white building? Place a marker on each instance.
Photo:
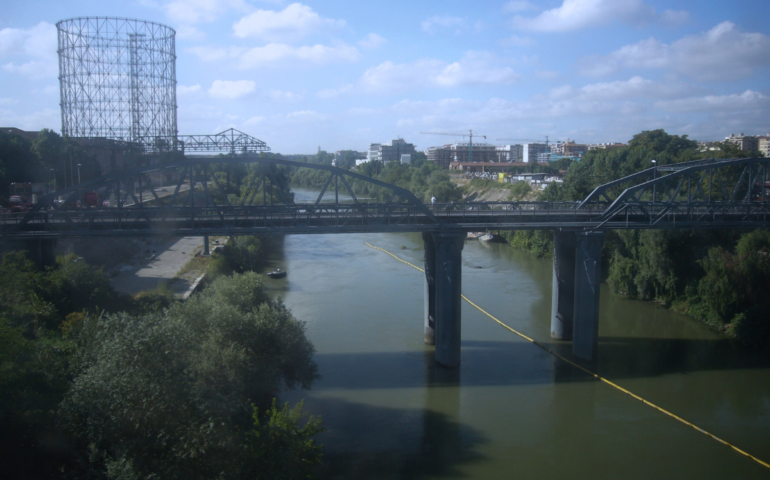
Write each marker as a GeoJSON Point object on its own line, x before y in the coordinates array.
{"type": "Point", "coordinates": [375, 152]}
{"type": "Point", "coordinates": [406, 158]}
{"type": "Point", "coordinates": [530, 151]}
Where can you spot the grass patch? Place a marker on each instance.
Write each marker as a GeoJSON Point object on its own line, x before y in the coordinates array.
{"type": "Point", "coordinates": [196, 264]}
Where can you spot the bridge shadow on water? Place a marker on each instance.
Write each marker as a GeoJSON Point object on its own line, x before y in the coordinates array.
{"type": "Point", "coordinates": [486, 363]}
{"type": "Point", "coordinates": [378, 440]}
{"type": "Point", "coordinates": [365, 441]}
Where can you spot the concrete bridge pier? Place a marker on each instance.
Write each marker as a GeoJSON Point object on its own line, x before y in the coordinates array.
{"type": "Point", "coordinates": [429, 262]}
{"type": "Point", "coordinates": [449, 248]}
{"type": "Point", "coordinates": [41, 251]}
{"type": "Point", "coordinates": [588, 274]}
{"type": "Point", "coordinates": [563, 296]}
{"type": "Point", "coordinates": [206, 251]}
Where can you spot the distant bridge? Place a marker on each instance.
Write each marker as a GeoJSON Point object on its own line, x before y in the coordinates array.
{"type": "Point", "coordinates": [715, 193]}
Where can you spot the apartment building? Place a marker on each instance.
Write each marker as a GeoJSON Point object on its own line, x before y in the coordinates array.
{"type": "Point", "coordinates": [764, 145]}
{"type": "Point", "coordinates": [392, 152]}
{"type": "Point", "coordinates": [744, 142]}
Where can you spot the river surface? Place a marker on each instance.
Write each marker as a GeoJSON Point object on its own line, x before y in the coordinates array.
{"type": "Point", "coordinates": [511, 410]}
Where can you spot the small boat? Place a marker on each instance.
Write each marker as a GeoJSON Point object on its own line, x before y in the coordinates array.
{"type": "Point", "coordinates": [486, 237]}
{"type": "Point", "coordinates": [473, 235]}
{"type": "Point", "coordinates": [277, 273]}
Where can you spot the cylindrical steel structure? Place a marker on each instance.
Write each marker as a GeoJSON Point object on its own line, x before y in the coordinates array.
{"type": "Point", "coordinates": [117, 79]}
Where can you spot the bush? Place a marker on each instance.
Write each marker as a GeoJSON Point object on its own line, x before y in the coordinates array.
{"type": "Point", "coordinates": [752, 327]}
{"type": "Point", "coordinates": [171, 395]}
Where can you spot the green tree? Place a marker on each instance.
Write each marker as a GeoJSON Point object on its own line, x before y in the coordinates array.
{"type": "Point", "coordinates": [170, 394]}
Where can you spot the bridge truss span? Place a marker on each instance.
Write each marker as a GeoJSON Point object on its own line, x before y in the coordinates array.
{"type": "Point", "coordinates": [199, 196]}
{"type": "Point", "coordinates": [718, 192]}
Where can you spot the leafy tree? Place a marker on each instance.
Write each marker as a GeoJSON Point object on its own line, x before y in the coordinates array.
{"type": "Point", "coordinates": [170, 395]}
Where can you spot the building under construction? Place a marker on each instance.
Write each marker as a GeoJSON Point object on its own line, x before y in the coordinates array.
{"type": "Point", "coordinates": [461, 152]}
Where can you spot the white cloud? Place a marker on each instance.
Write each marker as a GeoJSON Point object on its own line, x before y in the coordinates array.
{"type": "Point", "coordinates": [371, 41]}
{"type": "Point", "coordinates": [334, 92]}
{"type": "Point", "coordinates": [278, 53]}
{"type": "Point", "coordinates": [546, 74]}
{"type": "Point", "coordinates": [274, 54]}
{"type": "Point", "coordinates": [306, 116]}
{"type": "Point", "coordinates": [35, 48]}
{"type": "Point", "coordinates": [211, 54]}
{"type": "Point", "coordinates": [517, 41]}
{"type": "Point", "coordinates": [635, 88]}
{"type": "Point", "coordinates": [517, 6]}
{"type": "Point", "coordinates": [198, 11]}
{"type": "Point", "coordinates": [229, 89]}
{"type": "Point", "coordinates": [293, 23]}
{"type": "Point", "coordinates": [47, 118]}
{"type": "Point", "coordinates": [674, 18]}
{"type": "Point", "coordinates": [34, 69]}
{"type": "Point", "coordinates": [716, 103]}
{"type": "Point", "coordinates": [283, 96]}
{"type": "Point", "coordinates": [721, 54]}
{"type": "Point", "coordinates": [187, 90]}
{"type": "Point", "coordinates": [253, 121]}
{"type": "Point", "coordinates": [475, 68]}
{"type": "Point", "coordinates": [579, 14]}
{"type": "Point", "coordinates": [188, 32]}
{"type": "Point", "coordinates": [443, 21]}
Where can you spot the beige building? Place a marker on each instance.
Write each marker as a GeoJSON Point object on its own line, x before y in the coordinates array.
{"type": "Point", "coordinates": [764, 145]}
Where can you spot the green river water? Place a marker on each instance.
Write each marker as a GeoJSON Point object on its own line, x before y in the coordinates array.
{"type": "Point", "coordinates": [512, 410]}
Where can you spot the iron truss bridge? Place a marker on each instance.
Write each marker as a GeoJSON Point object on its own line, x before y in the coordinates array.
{"type": "Point", "coordinates": [231, 141]}
{"type": "Point", "coordinates": [192, 197]}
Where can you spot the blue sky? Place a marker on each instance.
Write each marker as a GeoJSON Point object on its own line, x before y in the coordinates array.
{"type": "Point", "coordinates": [343, 74]}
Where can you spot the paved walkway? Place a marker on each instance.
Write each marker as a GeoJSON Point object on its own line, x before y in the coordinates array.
{"type": "Point", "coordinates": [153, 269]}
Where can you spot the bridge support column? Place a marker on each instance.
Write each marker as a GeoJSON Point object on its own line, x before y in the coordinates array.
{"type": "Point", "coordinates": [563, 296]}
{"type": "Point", "coordinates": [449, 248]}
{"type": "Point", "coordinates": [42, 252]}
{"type": "Point", "coordinates": [206, 251]}
{"type": "Point", "coordinates": [588, 274]}
{"type": "Point", "coordinates": [430, 288]}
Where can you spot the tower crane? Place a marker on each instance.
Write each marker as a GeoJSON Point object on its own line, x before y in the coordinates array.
{"type": "Point", "coordinates": [469, 134]}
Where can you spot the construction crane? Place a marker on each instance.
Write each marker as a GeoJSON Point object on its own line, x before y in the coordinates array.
{"type": "Point", "coordinates": [469, 134]}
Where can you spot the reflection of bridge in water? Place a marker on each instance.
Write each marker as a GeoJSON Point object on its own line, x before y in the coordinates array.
{"type": "Point", "coordinates": [717, 193]}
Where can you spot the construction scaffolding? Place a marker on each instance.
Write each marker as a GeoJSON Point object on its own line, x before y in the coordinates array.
{"type": "Point", "coordinates": [117, 79]}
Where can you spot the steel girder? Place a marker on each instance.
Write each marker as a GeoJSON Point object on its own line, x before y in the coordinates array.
{"type": "Point", "coordinates": [189, 192]}
{"type": "Point", "coordinates": [695, 192]}
{"type": "Point", "coordinates": [704, 194]}
{"type": "Point", "coordinates": [230, 141]}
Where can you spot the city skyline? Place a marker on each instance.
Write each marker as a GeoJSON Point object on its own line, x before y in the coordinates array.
{"type": "Point", "coordinates": [341, 75]}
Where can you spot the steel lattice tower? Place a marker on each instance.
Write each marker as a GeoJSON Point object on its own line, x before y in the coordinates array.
{"type": "Point", "coordinates": [117, 79]}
